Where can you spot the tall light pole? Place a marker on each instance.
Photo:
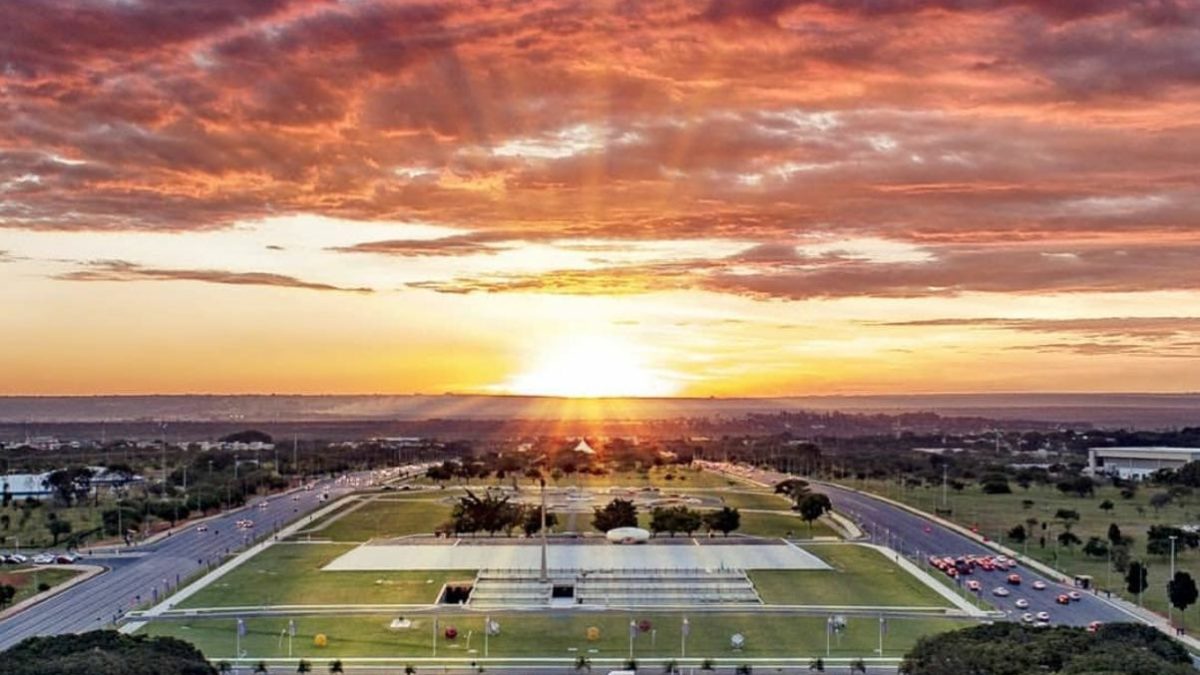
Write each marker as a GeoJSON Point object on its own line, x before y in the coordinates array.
{"type": "Point", "coordinates": [1172, 579]}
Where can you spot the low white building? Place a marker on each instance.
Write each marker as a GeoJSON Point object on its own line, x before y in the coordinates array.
{"type": "Point", "coordinates": [1138, 462]}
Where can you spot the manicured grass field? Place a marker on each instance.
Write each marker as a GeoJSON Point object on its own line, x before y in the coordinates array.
{"type": "Point", "coordinates": [861, 576]}
{"type": "Point", "coordinates": [781, 524]}
{"type": "Point", "coordinates": [554, 634]}
{"type": "Point", "coordinates": [379, 518]}
{"type": "Point", "coordinates": [27, 579]}
{"type": "Point", "coordinates": [995, 515]}
{"type": "Point", "coordinates": [290, 574]}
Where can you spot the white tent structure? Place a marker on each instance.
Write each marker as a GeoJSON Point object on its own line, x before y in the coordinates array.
{"type": "Point", "coordinates": [584, 448]}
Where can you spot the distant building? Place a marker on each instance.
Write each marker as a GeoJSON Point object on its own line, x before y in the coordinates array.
{"type": "Point", "coordinates": [584, 448]}
{"type": "Point", "coordinates": [1138, 462]}
{"type": "Point", "coordinates": [23, 485]}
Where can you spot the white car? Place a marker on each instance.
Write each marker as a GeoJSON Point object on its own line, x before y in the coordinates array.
{"type": "Point", "coordinates": [17, 559]}
{"type": "Point", "coordinates": [1000, 592]}
{"type": "Point", "coordinates": [1074, 595]}
{"type": "Point", "coordinates": [43, 559]}
{"type": "Point", "coordinates": [1026, 618]}
{"type": "Point", "coordinates": [1022, 604]}
{"type": "Point", "coordinates": [1039, 585]}
{"type": "Point", "coordinates": [202, 528]}
{"type": "Point", "coordinates": [1043, 616]}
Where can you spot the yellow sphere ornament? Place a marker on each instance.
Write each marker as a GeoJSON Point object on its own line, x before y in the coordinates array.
{"type": "Point", "coordinates": [593, 633]}
{"type": "Point", "coordinates": [319, 640]}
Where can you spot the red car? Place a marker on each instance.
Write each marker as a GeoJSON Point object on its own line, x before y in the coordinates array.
{"type": "Point", "coordinates": [1063, 600]}
{"type": "Point", "coordinates": [1014, 579]}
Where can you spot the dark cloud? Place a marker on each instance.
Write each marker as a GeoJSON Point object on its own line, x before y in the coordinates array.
{"type": "Point", "coordinates": [119, 270]}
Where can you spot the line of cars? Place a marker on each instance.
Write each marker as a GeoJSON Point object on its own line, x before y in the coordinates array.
{"type": "Point", "coordinates": [958, 568]}
{"type": "Point", "coordinates": [39, 559]}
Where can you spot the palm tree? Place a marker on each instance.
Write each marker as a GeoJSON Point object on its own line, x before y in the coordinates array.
{"type": "Point", "coordinates": [336, 667]}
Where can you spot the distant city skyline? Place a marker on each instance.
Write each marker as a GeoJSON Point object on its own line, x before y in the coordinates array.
{"type": "Point", "coordinates": [599, 199]}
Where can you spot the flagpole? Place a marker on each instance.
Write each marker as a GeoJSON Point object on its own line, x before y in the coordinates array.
{"type": "Point", "coordinates": [435, 627]}
{"type": "Point", "coordinates": [632, 628]}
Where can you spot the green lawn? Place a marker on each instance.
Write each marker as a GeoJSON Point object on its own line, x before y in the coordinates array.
{"type": "Point", "coordinates": [780, 524]}
{"type": "Point", "coordinates": [376, 519]}
{"type": "Point", "coordinates": [861, 576]}
{"type": "Point", "coordinates": [554, 634]}
{"type": "Point", "coordinates": [995, 515]}
{"type": "Point", "coordinates": [290, 574]}
{"type": "Point", "coordinates": [27, 579]}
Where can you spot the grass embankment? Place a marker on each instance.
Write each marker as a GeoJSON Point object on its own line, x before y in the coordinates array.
{"type": "Point", "coordinates": [860, 576]}
{"type": "Point", "coordinates": [558, 634]}
{"type": "Point", "coordinates": [290, 574]}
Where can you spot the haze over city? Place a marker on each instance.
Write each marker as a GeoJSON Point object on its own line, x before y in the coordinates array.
{"type": "Point", "coordinates": [599, 199]}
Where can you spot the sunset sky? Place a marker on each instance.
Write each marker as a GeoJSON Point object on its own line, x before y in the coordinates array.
{"type": "Point", "coordinates": [599, 198]}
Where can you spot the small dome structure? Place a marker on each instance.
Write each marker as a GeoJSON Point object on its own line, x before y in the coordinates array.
{"type": "Point", "coordinates": [627, 535]}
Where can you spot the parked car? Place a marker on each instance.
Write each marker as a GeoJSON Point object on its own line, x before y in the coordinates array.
{"type": "Point", "coordinates": [43, 559]}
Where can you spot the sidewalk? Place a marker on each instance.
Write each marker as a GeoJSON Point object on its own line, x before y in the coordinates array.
{"type": "Point", "coordinates": [87, 572]}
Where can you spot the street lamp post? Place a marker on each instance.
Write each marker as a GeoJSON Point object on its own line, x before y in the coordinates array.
{"type": "Point", "coordinates": [1172, 579]}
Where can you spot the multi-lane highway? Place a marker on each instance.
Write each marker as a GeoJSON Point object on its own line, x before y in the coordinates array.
{"type": "Point", "coordinates": [143, 574]}
{"type": "Point", "coordinates": [914, 535]}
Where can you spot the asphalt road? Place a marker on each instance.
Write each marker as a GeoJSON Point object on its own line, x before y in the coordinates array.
{"type": "Point", "coordinates": [143, 574]}
{"type": "Point", "coordinates": [914, 535]}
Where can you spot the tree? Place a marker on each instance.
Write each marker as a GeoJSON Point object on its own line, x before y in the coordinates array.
{"type": "Point", "coordinates": [303, 667]}
{"type": "Point", "coordinates": [336, 666]}
{"type": "Point", "coordinates": [707, 664]}
{"type": "Point", "coordinates": [674, 519]}
{"type": "Point", "coordinates": [794, 488]}
{"type": "Point", "coordinates": [858, 666]}
{"type": "Point", "coordinates": [107, 652]}
{"type": "Point", "coordinates": [1018, 534]}
{"type": "Point", "coordinates": [7, 593]}
{"type": "Point", "coordinates": [531, 523]}
{"type": "Point", "coordinates": [813, 506]}
{"type": "Point", "coordinates": [58, 527]}
{"type": "Point", "coordinates": [671, 667]}
{"type": "Point", "coordinates": [1069, 539]}
{"type": "Point", "coordinates": [1011, 649]}
{"type": "Point", "coordinates": [1114, 534]}
{"type": "Point", "coordinates": [995, 484]}
{"type": "Point", "coordinates": [1120, 558]}
{"type": "Point", "coordinates": [617, 513]}
{"type": "Point", "coordinates": [1067, 516]}
{"type": "Point", "coordinates": [260, 667]}
{"type": "Point", "coordinates": [725, 520]}
{"type": "Point", "coordinates": [817, 664]}
{"type": "Point", "coordinates": [410, 670]}
{"type": "Point", "coordinates": [1136, 579]}
{"type": "Point", "coordinates": [1095, 548]}
{"type": "Point", "coordinates": [1160, 501]}
{"type": "Point", "coordinates": [1107, 505]}
{"type": "Point", "coordinates": [224, 667]}
{"type": "Point", "coordinates": [70, 484]}
{"type": "Point", "coordinates": [1081, 486]}
{"type": "Point", "coordinates": [1182, 592]}
{"type": "Point", "coordinates": [583, 663]}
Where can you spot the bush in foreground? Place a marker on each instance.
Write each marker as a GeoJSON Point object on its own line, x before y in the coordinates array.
{"type": "Point", "coordinates": [1014, 649]}
{"type": "Point", "coordinates": [104, 653]}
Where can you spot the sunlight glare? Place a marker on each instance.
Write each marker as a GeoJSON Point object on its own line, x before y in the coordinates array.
{"type": "Point", "coordinates": [590, 367]}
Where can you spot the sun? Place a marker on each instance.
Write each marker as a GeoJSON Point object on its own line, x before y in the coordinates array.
{"type": "Point", "coordinates": [592, 367]}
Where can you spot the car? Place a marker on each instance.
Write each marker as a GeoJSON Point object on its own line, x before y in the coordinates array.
{"type": "Point", "coordinates": [974, 585]}
{"type": "Point", "coordinates": [43, 559]}
{"type": "Point", "coordinates": [1022, 604]}
{"type": "Point", "coordinates": [263, 504]}
{"type": "Point", "coordinates": [65, 558]}
{"type": "Point", "coordinates": [1000, 592]}
{"type": "Point", "coordinates": [951, 572]}
{"type": "Point", "coordinates": [1039, 585]}
{"type": "Point", "coordinates": [1042, 624]}
{"type": "Point", "coordinates": [1074, 595]}
{"type": "Point", "coordinates": [1014, 579]}
{"type": "Point", "coordinates": [202, 528]}
{"type": "Point", "coordinates": [17, 559]}
{"type": "Point", "coordinates": [1043, 616]}
{"type": "Point", "coordinates": [1063, 599]}
{"type": "Point", "coordinates": [1026, 618]}
{"type": "Point", "coordinates": [1094, 626]}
